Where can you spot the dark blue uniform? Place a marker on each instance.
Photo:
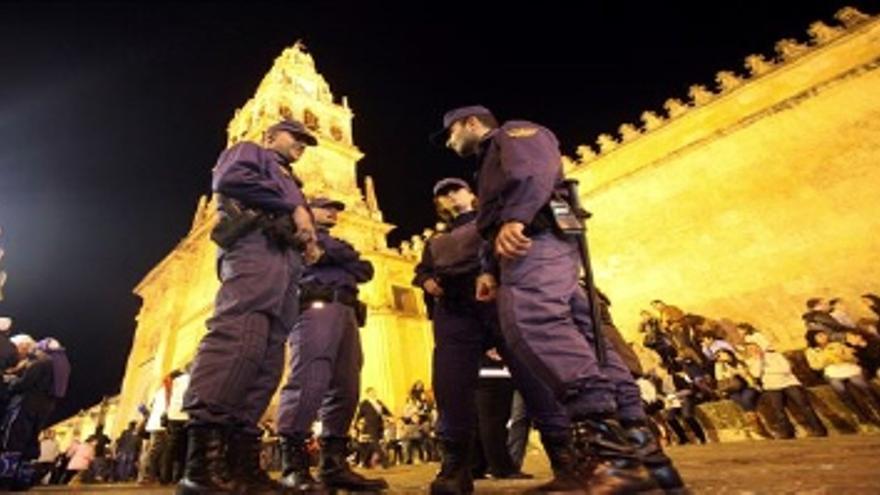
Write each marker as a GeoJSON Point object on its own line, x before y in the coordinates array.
{"type": "Point", "coordinates": [544, 313]}
{"type": "Point", "coordinates": [325, 345]}
{"type": "Point", "coordinates": [464, 329]}
{"type": "Point", "coordinates": [239, 361]}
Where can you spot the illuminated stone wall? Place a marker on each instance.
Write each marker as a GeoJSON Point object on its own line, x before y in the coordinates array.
{"type": "Point", "coordinates": [747, 199]}
{"type": "Point", "coordinates": [178, 293]}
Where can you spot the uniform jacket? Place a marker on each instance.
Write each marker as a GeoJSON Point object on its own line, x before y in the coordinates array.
{"type": "Point", "coordinates": [258, 178]}
{"type": "Point", "coordinates": [520, 165]}
{"type": "Point", "coordinates": [340, 267]}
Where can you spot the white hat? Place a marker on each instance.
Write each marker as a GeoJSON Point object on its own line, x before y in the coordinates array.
{"type": "Point", "coordinates": [23, 339]}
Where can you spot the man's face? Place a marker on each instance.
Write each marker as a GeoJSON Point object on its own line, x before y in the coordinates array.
{"type": "Point", "coordinates": [457, 201]}
{"type": "Point", "coordinates": [325, 217]}
{"type": "Point", "coordinates": [24, 348]}
{"type": "Point", "coordinates": [463, 140]}
{"type": "Point", "coordinates": [286, 144]}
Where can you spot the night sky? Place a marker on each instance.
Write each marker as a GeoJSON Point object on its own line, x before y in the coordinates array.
{"type": "Point", "coordinates": [111, 117]}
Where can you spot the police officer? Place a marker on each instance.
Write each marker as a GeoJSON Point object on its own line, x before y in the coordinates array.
{"type": "Point", "coordinates": [544, 312]}
{"type": "Point", "coordinates": [326, 361]}
{"type": "Point", "coordinates": [464, 329]}
{"type": "Point", "coordinates": [264, 225]}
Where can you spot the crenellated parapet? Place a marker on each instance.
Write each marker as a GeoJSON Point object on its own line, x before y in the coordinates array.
{"type": "Point", "coordinates": [787, 52]}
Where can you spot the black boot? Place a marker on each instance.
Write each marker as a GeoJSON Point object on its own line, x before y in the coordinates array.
{"type": "Point", "coordinates": [608, 462]}
{"type": "Point", "coordinates": [564, 462]}
{"type": "Point", "coordinates": [655, 460]}
{"type": "Point", "coordinates": [296, 476]}
{"type": "Point", "coordinates": [335, 472]}
{"type": "Point", "coordinates": [243, 455]}
{"type": "Point", "coordinates": [206, 471]}
{"type": "Point", "coordinates": [455, 477]}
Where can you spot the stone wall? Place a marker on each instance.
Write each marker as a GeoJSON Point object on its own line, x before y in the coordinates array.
{"type": "Point", "coordinates": [745, 201]}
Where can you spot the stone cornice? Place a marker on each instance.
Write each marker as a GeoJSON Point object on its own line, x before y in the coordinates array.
{"type": "Point", "coordinates": [834, 53]}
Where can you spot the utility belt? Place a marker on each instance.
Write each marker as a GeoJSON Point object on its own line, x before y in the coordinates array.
{"type": "Point", "coordinates": [558, 216]}
{"type": "Point", "coordinates": [311, 294]}
{"type": "Point", "coordinates": [237, 222]}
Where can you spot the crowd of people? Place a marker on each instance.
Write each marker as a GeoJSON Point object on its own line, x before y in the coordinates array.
{"type": "Point", "coordinates": [690, 359]}
{"type": "Point", "coordinates": [150, 450]}
{"type": "Point", "coordinates": [686, 359]}
{"type": "Point", "coordinates": [35, 377]}
{"type": "Point", "coordinates": [511, 312]}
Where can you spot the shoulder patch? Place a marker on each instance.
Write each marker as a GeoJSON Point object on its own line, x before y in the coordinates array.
{"type": "Point", "coordinates": [522, 132]}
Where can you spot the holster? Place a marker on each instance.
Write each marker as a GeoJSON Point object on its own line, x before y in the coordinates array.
{"type": "Point", "coordinates": [281, 229]}
{"type": "Point", "coordinates": [234, 225]}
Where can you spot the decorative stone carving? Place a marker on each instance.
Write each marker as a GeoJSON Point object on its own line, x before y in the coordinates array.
{"type": "Point", "coordinates": [606, 143]}
{"type": "Point", "coordinates": [628, 132]}
{"type": "Point", "coordinates": [727, 80]}
{"type": "Point", "coordinates": [651, 120]}
{"type": "Point", "coordinates": [699, 94]}
{"type": "Point", "coordinates": [585, 153]}
{"type": "Point", "coordinates": [823, 33]}
{"type": "Point", "coordinates": [850, 17]}
{"type": "Point", "coordinates": [418, 243]}
{"type": "Point", "coordinates": [758, 65]}
{"type": "Point", "coordinates": [310, 120]}
{"type": "Point", "coordinates": [790, 48]}
{"type": "Point", "coordinates": [674, 107]}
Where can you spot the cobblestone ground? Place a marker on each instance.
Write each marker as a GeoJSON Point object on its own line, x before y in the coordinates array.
{"type": "Point", "coordinates": [824, 466]}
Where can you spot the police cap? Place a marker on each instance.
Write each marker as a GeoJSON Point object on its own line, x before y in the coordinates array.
{"type": "Point", "coordinates": [443, 186]}
{"type": "Point", "coordinates": [322, 202]}
{"type": "Point", "coordinates": [455, 115]}
{"type": "Point", "coordinates": [296, 128]}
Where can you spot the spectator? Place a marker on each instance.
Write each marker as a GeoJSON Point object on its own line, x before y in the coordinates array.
{"type": "Point", "coordinates": [653, 404]}
{"type": "Point", "coordinates": [128, 449]}
{"type": "Point", "coordinates": [416, 420]}
{"type": "Point", "coordinates": [33, 397]}
{"type": "Point", "coordinates": [750, 335]}
{"type": "Point", "coordinates": [9, 358]}
{"type": "Point", "coordinates": [873, 303]}
{"type": "Point", "coordinates": [81, 455]}
{"type": "Point", "coordinates": [656, 339]}
{"type": "Point", "coordinates": [669, 315]}
{"type": "Point", "coordinates": [711, 343]}
{"type": "Point", "coordinates": [49, 453]}
{"type": "Point", "coordinates": [838, 311]}
{"type": "Point", "coordinates": [157, 469]}
{"type": "Point", "coordinates": [839, 366]}
{"type": "Point", "coordinates": [98, 468]}
{"type": "Point", "coordinates": [736, 383]}
{"type": "Point", "coordinates": [818, 317]}
{"type": "Point", "coordinates": [782, 389]}
{"type": "Point", "coordinates": [680, 402]}
{"type": "Point", "coordinates": [373, 413]}
{"type": "Point", "coordinates": [393, 441]}
{"type": "Point", "coordinates": [175, 421]}
{"type": "Point", "coordinates": [866, 347]}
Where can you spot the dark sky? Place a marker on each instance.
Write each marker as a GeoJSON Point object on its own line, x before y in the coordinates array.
{"type": "Point", "coordinates": [111, 116]}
